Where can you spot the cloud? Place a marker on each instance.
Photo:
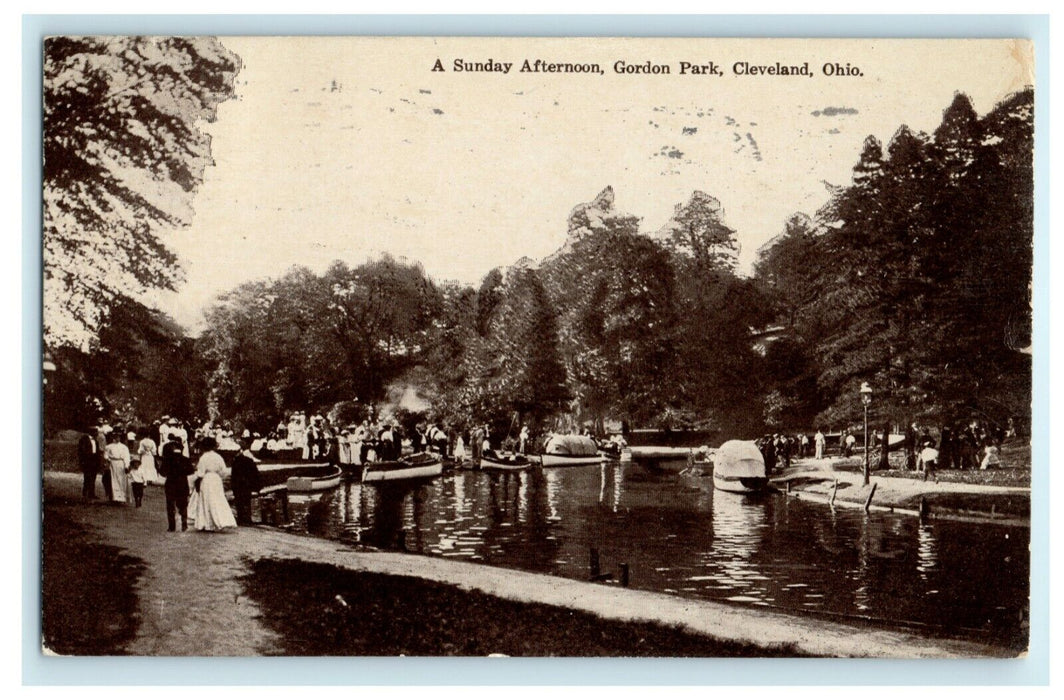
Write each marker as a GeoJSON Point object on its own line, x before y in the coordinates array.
{"type": "Point", "coordinates": [834, 111]}
{"type": "Point", "coordinates": [670, 152]}
{"type": "Point", "coordinates": [753, 145]}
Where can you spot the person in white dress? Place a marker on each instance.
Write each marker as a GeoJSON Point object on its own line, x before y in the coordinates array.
{"type": "Point", "coordinates": [148, 451]}
{"type": "Point", "coordinates": [118, 459]}
{"type": "Point", "coordinates": [211, 511]}
{"type": "Point", "coordinates": [459, 449]}
{"type": "Point", "coordinates": [176, 428]}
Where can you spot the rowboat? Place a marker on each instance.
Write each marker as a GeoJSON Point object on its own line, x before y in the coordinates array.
{"type": "Point", "coordinates": [549, 460]}
{"type": "Point", "coordinates": [739, 467]}
{"type": "Point", "coordinates": [310, 484]}
{"type": "Point", "coordinates": [504, 462]}
{"type": "Point", "coordinates": [417, 466]}
{"type": "Point", "coordinates": [276, 477]}
{"type": "Point", "coordinates": [662, 459]}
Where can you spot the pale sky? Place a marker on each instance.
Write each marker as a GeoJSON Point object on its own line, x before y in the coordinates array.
{"type": "Point", "coordinates": [344, 148]}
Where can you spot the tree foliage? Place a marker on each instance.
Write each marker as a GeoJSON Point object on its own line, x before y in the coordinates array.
{"type": "Point", "coordinates": [308, 341]}
{"type": "Point", "coordinates": [123, 155]}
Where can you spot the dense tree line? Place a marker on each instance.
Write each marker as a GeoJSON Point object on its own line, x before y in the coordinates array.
{"type": "Point", "coordinates": [650, 329]}
{"type": "Point", "coordinates": [914, 278]}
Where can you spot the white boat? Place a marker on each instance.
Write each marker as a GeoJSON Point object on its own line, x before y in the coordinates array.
{"type": "Point", "coordinates": [570, 451]}
{"type": "Point", "coordinates": [305, 477]}
{"type": "Point", "coordinates": [739, 467]}
{"type": "Point", "coordinates": [505, 461]}
{"type": "Point", "coordinates": [419, 466]}
{"type": "Point", "coordinates": [549, 460]}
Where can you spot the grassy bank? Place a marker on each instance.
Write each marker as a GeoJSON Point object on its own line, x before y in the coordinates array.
{"type": "Point", "coordinates": [323, 610]}
{"type": "Point", "coordinates": [88, 595]}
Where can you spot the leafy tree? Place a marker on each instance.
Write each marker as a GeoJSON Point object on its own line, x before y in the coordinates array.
{"type": "Point", "coordinates": [123, 156]}
{"type": "Point", "coordinates": [697, 231]}
{"type": "Point", "coordinates": [616, 292]}
{"type": "Point", "coordinates": [717, 372]}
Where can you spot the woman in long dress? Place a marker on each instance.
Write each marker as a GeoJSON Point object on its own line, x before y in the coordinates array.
{"type": "Point", "coordinates": [211, 510]}
{"type": "Point", "coordinates": [117, 455]}
{"type": "Point", "coordinates": [147, 450]}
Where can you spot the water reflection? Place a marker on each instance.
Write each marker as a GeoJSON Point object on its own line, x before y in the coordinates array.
{"type": "Point", "coordinates": [739, 524]}
{"type": "Point", "coordinates": [683, 537]}
{"type": "Point", "coordinates": [926, 551]}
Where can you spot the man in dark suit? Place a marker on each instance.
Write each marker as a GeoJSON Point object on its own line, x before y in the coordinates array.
{"type": "Point", "coordinates": [89, 462]}
{"type": "Point", "coordinates": [175, 467]}
{"type": "Point", "coordinates": [244, 481]}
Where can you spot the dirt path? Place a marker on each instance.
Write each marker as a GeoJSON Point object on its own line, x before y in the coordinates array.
{"type": "Point", "coordinates": [191, 602]}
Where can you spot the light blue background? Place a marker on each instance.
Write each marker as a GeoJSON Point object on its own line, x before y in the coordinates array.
{"type": "Point", "coordinates": [40, 670]}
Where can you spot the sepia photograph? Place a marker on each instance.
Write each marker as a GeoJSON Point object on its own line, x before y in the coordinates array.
{"type": "Point", "coordinates": [536, 347]}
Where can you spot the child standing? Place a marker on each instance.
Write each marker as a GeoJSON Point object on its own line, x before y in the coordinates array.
{"type": "Point", "coordinates": [136, 481]}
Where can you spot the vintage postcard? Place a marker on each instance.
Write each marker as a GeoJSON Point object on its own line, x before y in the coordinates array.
{"type": "Point", "coordinates": [370, 346]}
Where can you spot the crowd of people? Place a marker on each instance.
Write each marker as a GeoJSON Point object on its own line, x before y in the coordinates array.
{"type": "Point", "coordinates": [190, 464]}
{"type": "Point", "coordinates": [191, 467]}
{"type": "Point", "coordinates": [127, 461]}
{"type": "Point", "coordinates": [972, 446]}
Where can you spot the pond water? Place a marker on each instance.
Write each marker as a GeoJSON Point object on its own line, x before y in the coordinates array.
{"type": "Point", "coordinates": [677, 535]}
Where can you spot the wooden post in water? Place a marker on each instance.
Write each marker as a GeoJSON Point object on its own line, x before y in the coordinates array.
{"type": "Point", "coordinates": [925, 510]}
{"type": "Point", "coordinates": [868, 501]}
{"type": "Point", "coordinates": [624, 574]}
{"type": "Point", "coordinates": [834, 490]}
{"type": "Point", "coordinates": [594, 564]}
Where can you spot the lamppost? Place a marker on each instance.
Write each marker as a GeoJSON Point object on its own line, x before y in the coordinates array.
{"type": "Point", "coordinates": [866, 399]}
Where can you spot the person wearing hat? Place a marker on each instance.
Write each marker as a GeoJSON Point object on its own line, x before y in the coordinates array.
{"type": "Point", "coordinates": [476, 443]}
{"type": "Point", "coordinates": [164, 431]}
{"type": "Point", "coordinates": [211, 510]}
{"type": "Point", "coordinates": [118, 459]}
{"type": "Point", "coordinates": [178, 429]}
{"type": "Point", "coordinates": [343, 447]}
{"type": "Point", "coordinates": [244, 481]}
{"type": "Point", "coordinates": [522, 440]}
{"type": "Point", "coordinates": [89, 462]}
{"type": "Point", "coordinates": [175, 468]}
{"type": "Point", "coordinates": [102, 431]}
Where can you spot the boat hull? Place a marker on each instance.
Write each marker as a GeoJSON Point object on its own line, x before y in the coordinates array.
{"type": "Point", "coordinates": [549, 460]}
{"type": "Point", "coordinates": [306, 484]}
{"type": "Point", "coordinates": [662, 459]}
{"type": "Point", "coordinates": [506, 464]}
{"type": "Point", "coordinates": [739, 484]}
{"type": "Point", "coordinates": [277, 476]}
{"type": "Point", "coordinates": [400, 471]}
